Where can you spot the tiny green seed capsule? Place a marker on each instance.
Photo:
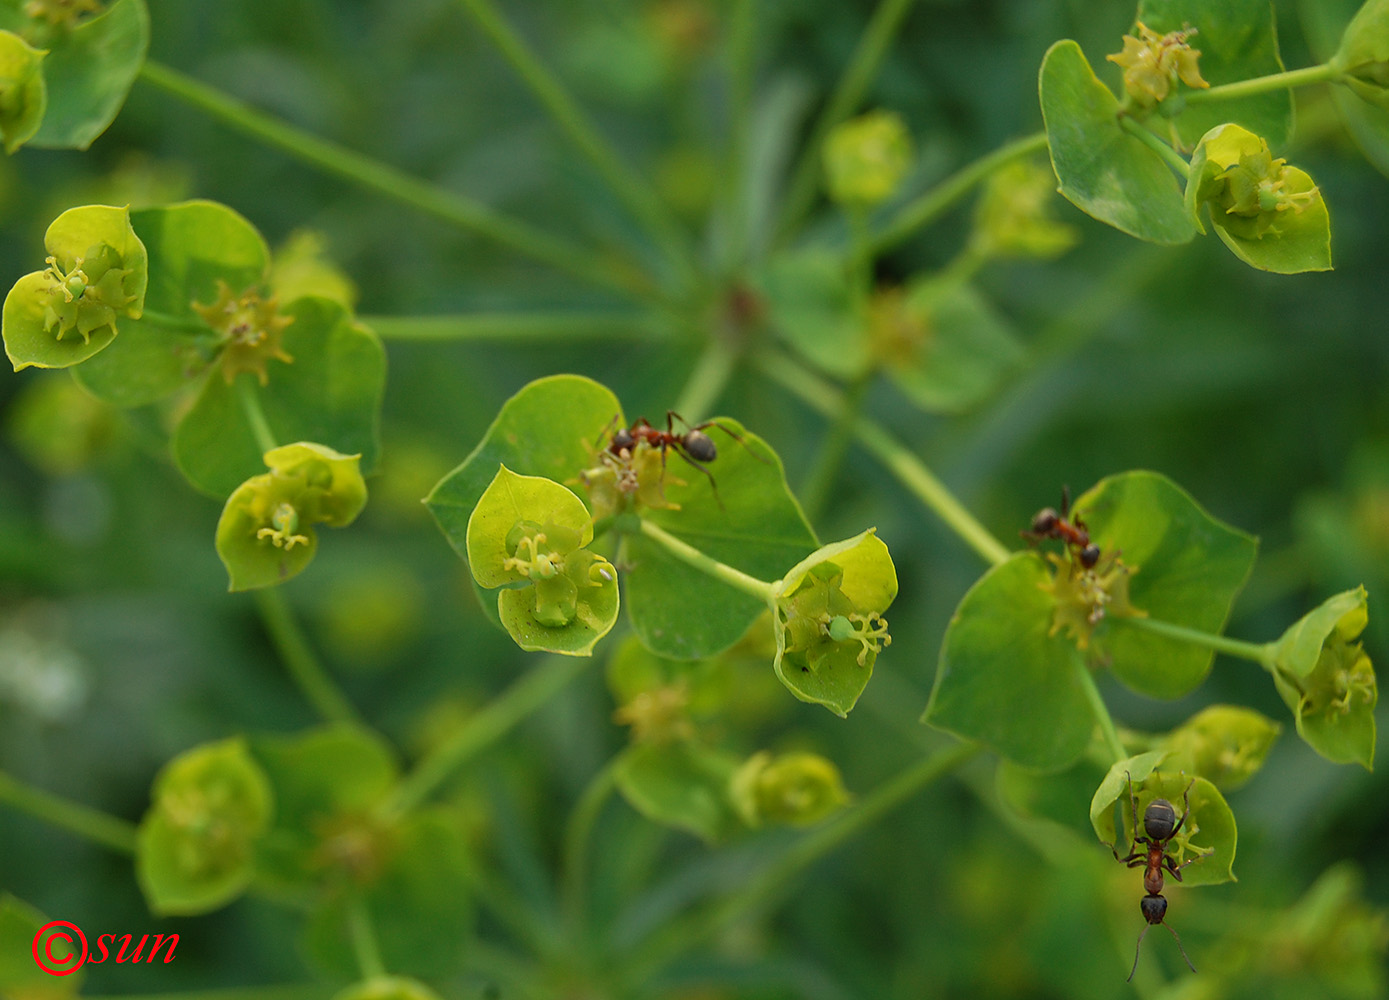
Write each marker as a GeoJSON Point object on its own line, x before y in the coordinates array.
{"type": "Point", "coordinates": [841, 629]}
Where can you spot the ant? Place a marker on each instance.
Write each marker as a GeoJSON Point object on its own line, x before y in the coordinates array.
{"type": "Point", "coordinates": [694, 446]}
{"type": "Point", "coordinates": [1160, 826]}
{"type": "Point", "coordinates": [1049, 524]}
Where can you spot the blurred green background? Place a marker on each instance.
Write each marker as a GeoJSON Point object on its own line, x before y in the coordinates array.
{"type": "Point", "coordinates": [1262, 395]}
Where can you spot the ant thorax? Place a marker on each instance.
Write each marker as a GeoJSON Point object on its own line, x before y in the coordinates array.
{"type": "Point", "coordinates": [627, 477]}
{"type": "Point", "coordinates": [1085, 595]}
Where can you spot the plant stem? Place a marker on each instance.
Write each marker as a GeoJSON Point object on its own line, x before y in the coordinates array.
{"type": "Point", "coordinates": [578, 834]}
{"type": "Point", "coordinates": [639, 198]}
{"type": "Point", "coordinates": [707, 380]}
{"type": "Point", "coordinates": [1261, 654]}
{"type": "Point", "coordinates": [364, 944]}
{"type": "Point", "coordinates": [910, 471]}
{"type": "Point", "coordinates": [722, 572]}
{"type": "Point", "coordinates": [814, 495]}
{"type": "Point", "coordinates": [513, 327]}
{"type": "Point", "coordinates": [1170, 156]}
{"type": "Point", "coordinates": [848, 93]}
{"type": "Point", "coordinates": [255, 414]}
{"type": "Point", "coordinates": [96, 826]}
{"type": "Point", "coordinates": [456, 209]}
{"type": "Point", "coordinates": [1101, 710]}
{"type": "Point", "coordinates": [680, 936]}
{"type": "Point", "coordinates": [1286, 80]}
{"type": "Point", "coordinates": [928, 207]}
{"type": "Point", "coordinates": [308, 673]}
{"type": "Point", "coordinates": [483, 729]}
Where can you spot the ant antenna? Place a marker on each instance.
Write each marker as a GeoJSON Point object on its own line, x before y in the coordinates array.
{"type": "Point", "coordinates": [1139, 949]}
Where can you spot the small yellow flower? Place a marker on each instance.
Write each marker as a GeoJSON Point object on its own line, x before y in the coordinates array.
{"type": "Point", "coordinates": [1153, 64]}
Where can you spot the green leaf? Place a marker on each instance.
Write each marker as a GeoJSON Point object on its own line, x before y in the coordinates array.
{"type": "Point", "coordinates": [1209, 828]}
{"type": "Point", "coordinates": [1225, 744]}
{"type": "Point", "coordinates": [682, 784]}
{"type": "Point", "coordinates": [195, 845]}
{"type": "Point", "coordinates": [266, 533]}
{"type": "Point", "coordinates": [21, 978]}
{"type": "Point", "coordinates": [828, 621]}
{"type": "Point", "coordinates": [1115, 788]}
{"type": "Point", "coordinates": [89, 71]}
{"type": "Point", "coordinates": [1232, 173]}
{"type": "Point", "coordinates": [1004, 679]}
{"type": "Point", "coordinates": [331, 394]}
{"type": "Point", "coordinates": [192, 245]}
{"type": "Point", "coordinates": [550, 428]}
{"type": "Point", "coordinates": [1187, 568]}
{"type": "Point", "coordinates": [1323, 674]}
{"type": "Point", "coordinates": [1060, 797]}
{"type": "Point", "coordinates": [949, 348]}
{"type": "Point", "coordinates": [1323, 22]}
{"type": "Point", "coordinates": [792, 789]}
{"type": "Point", "coordinates": [511, 498]}
{"type": "Point", "coordinates": [1238, 40]}
{"type": "Point", "coordinates": [813, 308]}
{"type": "Point", "coordinates": [1104, 171]}
{"type": "Point", "coordinates": [1363, 56]}
{"type": "Point", "coordinates": [754, 525]}
{"type": "Point", "coordinates": [67, 314]}
{"type": "Point", "coordinates": [325, 783]}
{"type": "Point", "coordinates": [23, 95]}
{"type": "Point", "coordinates": [416, 887]}
{"type": "Point", "coordinates": [528, 533]}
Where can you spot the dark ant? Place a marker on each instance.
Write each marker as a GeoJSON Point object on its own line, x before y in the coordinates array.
{"type": "Point", "coordinates": [694, 446]}
{"type": "Point", "coordinates": [1049, 524]}
{"type": "Point", "coordinates": [1160, 825]}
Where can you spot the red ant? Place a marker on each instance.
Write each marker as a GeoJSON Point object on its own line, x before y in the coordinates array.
{"type": "Point", "coordinates": [694, 446]}
{"type": "Point", "coordinates": [1160, 826]}
{"type": "Point", "coordinates": [1049, 524]}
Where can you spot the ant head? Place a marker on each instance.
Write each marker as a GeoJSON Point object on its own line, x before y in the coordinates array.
{"type": "Point", "coordinates": [622, 440]}
{"type": "Point", "coordinates": [1154, 908]}
{"type": "Point", "coordinates": [1159, 819]}
{"type": "Point", "coordinates": [1044, 521]}
{"type": "Point", "coordinates": [1089, 556]}
{"type": "Point", "coordinates": [700, 446]}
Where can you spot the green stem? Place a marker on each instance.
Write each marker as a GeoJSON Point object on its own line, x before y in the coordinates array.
{"type": "Point", "coordinates": [928, 207]}
{"type": "Point", "coordinates": [488, 725]}
{"type": "Point", "coordinates": [910, 471]}
{"type": "Point", "coordinates": [1101, 710]}
{"type": "Point", "coordinates": [742, 53]}
{"type": "Point", "coordinates": [707, 380]}
{"type": "Point", "coordinates": [1170, 156]}
{"type": "Point", "coordinates": [639, 198]}
{"type": "Point", "coordinates": [722, 572]}
{"type": "Point", "coordinates": [364, 944]}
{"type": "Point", "coordinates": [84, 821]}
{"type": "Point", "coordinates": [1261, 654]}
{"type": "Point", "coordinates": [293, 646]}
{"type": "Point", "coordinates": [815, 494]}
{"type": "Point", "coordinates": [255, 414]}
{"type": "Point", "coordinates": [1325, 73]}
{"type": "Point", "coordinates": [682, 935]}
{"type": "Point", "coordinates": [456, 209]}
{"type": "Point", "coordinates": [578, 835]}
{"type": "Point", "coordinates": [515, 327]}
{"type": "Point", "coordinates": [848, 93]}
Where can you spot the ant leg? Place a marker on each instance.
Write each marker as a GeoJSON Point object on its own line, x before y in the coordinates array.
{"type": "Point", "coordinates": [734, 435]}
{"type": "Point", "coordinates": [1176, 869]}
{"type": "Point", "coordinates": [1138, 950]}
{"type": "Point", "coordinates": [713, 486]}
{"type": "Point", "coordinates": [1179, 948]}
{"type": "Point", "coordinates": [1186, 806]}
{"type": "Point", "coordinates": [1065, 501]}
